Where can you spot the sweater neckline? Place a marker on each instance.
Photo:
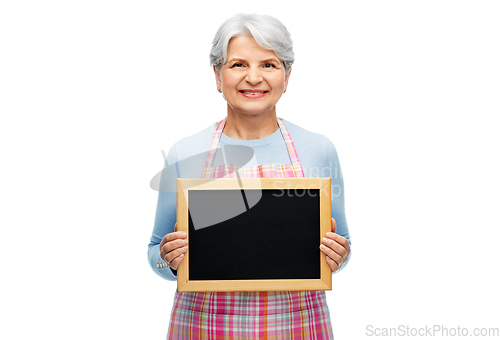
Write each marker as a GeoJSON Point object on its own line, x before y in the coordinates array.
{"type": "Point", "coordinates": [252, 142]}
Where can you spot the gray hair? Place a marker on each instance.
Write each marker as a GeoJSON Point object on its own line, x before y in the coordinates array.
{"type": "Point", "coordinates": [267, 31]}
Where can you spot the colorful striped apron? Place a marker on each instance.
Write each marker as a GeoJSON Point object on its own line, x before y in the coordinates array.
{"type": "Point", "coordinates": [251, 315]}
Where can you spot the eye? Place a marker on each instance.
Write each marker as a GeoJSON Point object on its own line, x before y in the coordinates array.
{"type": "Point", "coordinates": [237, 65]}
{"type": "Point", "coordinates": [269, 65]}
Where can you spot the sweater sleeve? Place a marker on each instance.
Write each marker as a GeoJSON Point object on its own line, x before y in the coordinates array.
{"type": "Point", "coordinates": [165, 216]}
{"type": "Point", "coordinates": [331, 166]}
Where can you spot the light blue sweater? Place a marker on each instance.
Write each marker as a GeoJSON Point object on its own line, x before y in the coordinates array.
{"type": "Point", "coordinates": [186, 159]}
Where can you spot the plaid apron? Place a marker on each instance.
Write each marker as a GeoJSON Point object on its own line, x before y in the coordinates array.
{"type": "Point", "coordinates": [251, 315]}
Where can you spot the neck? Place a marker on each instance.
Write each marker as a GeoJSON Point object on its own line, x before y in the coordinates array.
{"type": "Point", "coordinates": [247, 127]}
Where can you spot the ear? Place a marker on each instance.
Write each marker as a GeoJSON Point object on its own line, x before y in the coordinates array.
{"type": "Point", "coordinates": [287, 76]}
{"type": "Point", "coordinates": [217, 79]}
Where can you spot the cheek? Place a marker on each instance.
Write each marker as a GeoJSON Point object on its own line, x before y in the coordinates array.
{"type": "Point", "coordinates": [279, 84]}
{"type": "Point", "coordinates": [229, 80]}
{"type": "Point", "coordinates": [278, 80]}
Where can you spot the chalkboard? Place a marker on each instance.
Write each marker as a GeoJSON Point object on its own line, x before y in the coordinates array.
{"type": "Point", "coordinates": [254, 234]}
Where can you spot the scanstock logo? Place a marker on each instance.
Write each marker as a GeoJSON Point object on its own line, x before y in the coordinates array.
{"type": "Point", "coordinates": [209, 207]}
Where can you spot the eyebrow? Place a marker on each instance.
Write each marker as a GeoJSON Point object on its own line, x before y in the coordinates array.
{"type": "Point", "coordinates": [235, 59]}
{"type": "Point", "coordinates": [271, 59]}
{"type": "Point", "coordinates": [263, 61]}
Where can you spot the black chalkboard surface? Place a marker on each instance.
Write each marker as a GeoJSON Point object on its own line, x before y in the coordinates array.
{"type": "Point", "coordinates": [255, 234]}
{"type": "Point", "coordinates": [275, 239]}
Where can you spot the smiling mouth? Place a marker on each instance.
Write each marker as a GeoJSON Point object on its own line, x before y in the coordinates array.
{"type": "Point", "coordinates": [253, 93]}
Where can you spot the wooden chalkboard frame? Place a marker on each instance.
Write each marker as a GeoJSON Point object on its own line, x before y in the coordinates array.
{"type": "Point", "coordinates": [184, 185]}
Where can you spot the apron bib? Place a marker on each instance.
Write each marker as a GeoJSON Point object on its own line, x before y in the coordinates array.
{"type": "Point", "coordinates": [251, 315]}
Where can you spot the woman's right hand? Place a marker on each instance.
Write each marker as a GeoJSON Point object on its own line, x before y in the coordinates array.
{"type": "Point", "coordinates": [173, 246]}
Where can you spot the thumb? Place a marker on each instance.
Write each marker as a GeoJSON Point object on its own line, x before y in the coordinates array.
{"type": "Point", "coordinates": [334, 226]}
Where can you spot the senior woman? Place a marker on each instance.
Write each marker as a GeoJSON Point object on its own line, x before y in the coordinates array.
{"type": "Point", "coordinates": [251, 57]}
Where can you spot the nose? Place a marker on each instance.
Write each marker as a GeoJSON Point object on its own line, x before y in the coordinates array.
{"type": "Point", "coordinates": [253, 76]}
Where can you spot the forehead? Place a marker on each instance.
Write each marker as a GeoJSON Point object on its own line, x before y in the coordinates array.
{"type": "Point", "coordinates": [247, 48]}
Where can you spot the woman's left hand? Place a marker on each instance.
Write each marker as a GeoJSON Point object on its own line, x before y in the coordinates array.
{"type": "Point", "coordinates": [335, 247]}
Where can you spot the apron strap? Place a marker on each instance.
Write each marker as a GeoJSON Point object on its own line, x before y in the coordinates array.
{"type": "Point", "coordinates": [214, 143]}
{"type": "Point", "coordinates": [292, 152]}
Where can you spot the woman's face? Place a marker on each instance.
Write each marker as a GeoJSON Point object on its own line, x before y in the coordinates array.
{"type": "Point", "coordinates": [253, 78]}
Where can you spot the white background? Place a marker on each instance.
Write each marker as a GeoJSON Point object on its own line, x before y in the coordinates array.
{"type": "Point", "coordinates": [92, 91]}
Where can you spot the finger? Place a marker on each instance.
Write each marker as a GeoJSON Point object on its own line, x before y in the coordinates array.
{"type": "Point", "coordinates": [335, 246]}
{"type": "Point", "coordinates": [330, 253]}
{"type": "Point", "coordinates": [172, 236]}
{"type": "Point", "coordinates": [170, 256]}
{"type": "Point", "coordinates": [175, 235]}
{"type": "Point", "coordinates": [172, 245]}
{"type": "Point", "coordinates": [341, 240]}
{"type": "Point", "coordinates": [347, 247]}
{"type": "Point", "coordinates": [334, 266]}
{"type": "Point", "coordinates": [175, 229]}
{"type": "Point", "coordinates": [176, 262]}
{"type": "Point", "coordinates": [338, 238]}
{"type": "Point", "coordinates": [334, 225]}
